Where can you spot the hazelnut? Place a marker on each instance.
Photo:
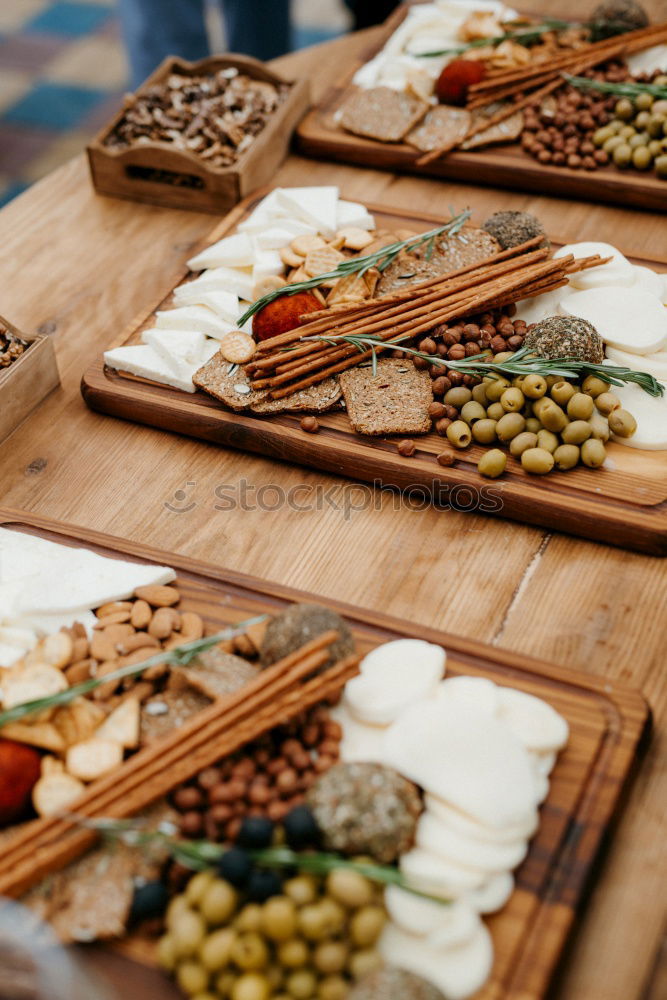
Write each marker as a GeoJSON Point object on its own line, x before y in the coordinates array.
{"type": "Point", "coordinates": [309, 424]}
{"type": "Point", "coordinates": [191, 824]}
{"type": "Point", "coordinates": [498, 344]}
{"type": "Point", "coordinates": [472, 348]}
{"type": "Point", "coordinates": [427, 346]}
{"type": "Point", "coordinates": [457, 352]}
{"type": "Point", "coordinates": [188, 798]}
{"type": "Point", "coordinates": [451, 412]}
{"type": "Point", "coordinates": [441, 385]}
{"type": "Point", "coordinates": [406, 448]}
{"type": "Point", "coordinates": [420, 363]}
{"type": "Point", "coordinates": [442, 425]}
{"type": "Point", "coordinates": [209, 777]}
{"type": "Point", "coordinates": [446, 458]}
{"type": "Point", "coordinates": [436, 411]}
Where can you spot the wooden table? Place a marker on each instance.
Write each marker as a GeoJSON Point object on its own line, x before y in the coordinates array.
{"type": "Point", "coordinates": [80, 267]}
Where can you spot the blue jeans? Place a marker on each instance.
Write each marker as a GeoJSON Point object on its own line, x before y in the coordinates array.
{"type": "Point", "coordinates": [154, 29]}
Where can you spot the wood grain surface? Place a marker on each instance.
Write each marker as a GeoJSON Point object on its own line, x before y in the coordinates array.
{"type": "Point", "coordinates": [607, 723]}
{"type": "Point", "coordinates": [507, 165]}
{"type": "Point", "coordinates": [624, 505]}
{"type": "Point", "coordinates": [81, 267]}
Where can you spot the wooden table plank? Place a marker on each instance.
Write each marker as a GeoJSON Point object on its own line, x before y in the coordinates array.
{"type": "Point", "coordinates": [82, 267]}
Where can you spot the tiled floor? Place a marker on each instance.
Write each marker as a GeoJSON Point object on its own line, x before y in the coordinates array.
{"type": "Point", "coordinates": [63, 71]}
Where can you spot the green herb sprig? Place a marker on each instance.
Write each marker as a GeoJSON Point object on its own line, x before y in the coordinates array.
{"type": "Point", "coordinates": [381, 259]}
{"type": "Point", "coordinates": [522, 362]}
{"type": "Point", "coordinates": [627, 89]}
{"type": "Point", "coordinates": [178, 656]}
{"type": "Point", "coordinates": [202, 854]}
{"type": "Point", "coordinates": [528, 35]}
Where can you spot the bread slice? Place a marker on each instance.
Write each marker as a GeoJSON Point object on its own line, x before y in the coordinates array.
{"type": "Point", "coordinates": [234, 391]}
{"type": "Point", "coordinates": [393, 401]}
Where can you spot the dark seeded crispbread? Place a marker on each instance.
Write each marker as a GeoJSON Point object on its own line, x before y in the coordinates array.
{"type": "Point", "coordinates": [440, 127]}
{"type": "Point", "coordinates": [393, 401]}
{"type": "Point", "coordinates": [382, 113]}
{"type": "Point", "coordinates": [235, 392]}
{"type": "Point", "coordinates": [470, 246]}
{"type": "Point", "coordinates": [504, 131]}
{"type": "Point", "coordinates": [406, 270]}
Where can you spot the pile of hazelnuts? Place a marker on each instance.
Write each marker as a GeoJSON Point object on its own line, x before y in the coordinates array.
{"type": "Point", "coordinates": [560, 130]}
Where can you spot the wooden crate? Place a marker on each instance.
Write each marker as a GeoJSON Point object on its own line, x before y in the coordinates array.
{"type": "Point", "coordinates": [27, 381]}
{"type": "Point", "coordinates": [155, 173]}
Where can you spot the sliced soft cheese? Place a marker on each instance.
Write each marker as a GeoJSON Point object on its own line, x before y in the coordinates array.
{"type": "Point", "coordinates": [434, 835]}
{"type": "Point", "coordinates": [539, 726]}
{"type": "Point", "coordinates": [618, 271]}
{"type": "Point", "coordinates": [179, 348]}
{"type": "Point", "coordinates": [655, 364]}
{"type": "Point", "coordinates": [649, 281]}
{"type": "Point", "coordinates": [649, 61]}
{"type": "Point", "coordinates": [650, 412]}
{"type": "Point", "coordinates": [225, 305]}
{"type": "Point", "coordinates": [266, 263]}
{"type": "Point", "coordinates": [217, 279]}
{"type": "Point", "coordinates": [627, 318]}
{"type": "Point", "coordinates": [360, 742]}
{"type": "Point", "coordinates": [351, 213]}
{"type": "Point", "coordinates": [431, 873]}
{"type": "Point", "coordinates": [535, 309]}
{"type": "Point", "coordinates": [469, 827]}
{"type": "Point", "coordinates": [457, 972]}
{"type": "Point", "coordinates": [231, 251]}
{"type": "Point", "coordinates": [144, 361]}
{"type": "Point", "coordinates": [393, 676]}
{"type": "Point", "coordinates": [478, 691]}
{"type": "Point", "coordinates": [316, 205]}
{"type": "Point", "coordinates": [200, 318]}
{"type": "Point", "coordinates": [447, 925]}
{"type": "Point", "coordinates": [493, 895]}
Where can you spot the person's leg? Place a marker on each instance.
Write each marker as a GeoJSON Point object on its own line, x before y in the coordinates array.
{"type": "Point", "coordinates": [259, 28]}
{"type": "Point", "coordinates": [153, 29]}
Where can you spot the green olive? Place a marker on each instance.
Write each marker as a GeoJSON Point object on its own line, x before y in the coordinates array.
{"type": "Point", "coordinates": [642, 119]}
{"type": "Point", "coordinates": [503, 356]}
{"type": "Point", "coordinates": [188, 932]}
{"type": "Point", "coordinates": [566, 456]}
{"type": "Point", "coordinates": [253, 986]}
{"type": "Point", "coordinates": [655, 147]}
{"type": "Point", "coordinates": [313, 922]}
{"type": "Point", "coordinates": [622, 155]}
{"type": "Point", "coordinates": [249, 952]}
{"type": "Point", "coordinates": [334, 915]}
{"type": "Point", "coordinates": [495, 411]}
{"type": "Point", "coordinates": [512, 400]}
{"type": "Point", "coordinates": [594, 386]}
{"type": "Point", "coordinates": [472, 412]}
{"type": "Point", "coordinates": [177, 906]}
{"type": "Point", "coordinates": [580, 406]}
{"type": "Point", "coordinates": [293, 954]}
{"type": "Point", "coordinates": [577, 432]}
{"type": "Point", "coordinates": [458, 434]}
{"type": "Point", "coordinates": [562, 392]}
{"type": "Point", "coordinates": [644, 101]}
{"type": "Point", "coordinates": [363, 962]}
{"type": "Point", "coordinates": [509, 426]}
{"type": "Point", "coordinates": [249, 919]}
{"type": "Point", "coordinates": [547, 440]}
{"type": "Point", "coordinates": [484, 431]}
{"type": "Point", "coordinates": [622, 423]}
{"type": "Point", "coordinates": [492, 463]}
{"type": "Point", "coordinates": [301, 889]}
{"type": "Point", "coordinates": [550, 413]}
{"type": "Point", "coordinates": [654, 126]}
{"type": "Point", "coordinates": [332, 988]}
{"type": "Point", "coordinates": [627, 131]}
{"type": "Point", "coordinates": [191, 977]}
{"type": "Point", "coordinates": [534, 386]}
{"type": "Point", "coordinates": [593, 453]}
{"type": "Point", "coordinates": [300, 984]}
{"type": "Point", "coordinates": [496, 388]}
{"type": "Point", "coordinates": [330, 957]}
{"type": "Point", "coordinates": [606, 402]}
{"type": "Point", "coordinates": [166, 954]}
{"type": "Point", "coordinates": [517, 382]}
{"type": "Point", "coordinates": [479, 394]}
{"type": "Point", "coordinates": [346, 886]}
{"type": "Point", "coordinates": [533, 425]}
{"type": "Point", "coordinates": [602, 134]}
{"type": "Point", "coordinates": [197, 886]}
{"type": "Point", "coordinates": [640, 139]}
{"type": "Point", "coordinates": [521, 442]}
{"type": "Point", "coordinates": [537, 461]}
{"type": "Point", "coordinates": [624, 109]}
{"type": "Point", "coordinates": [216, 950]}
{"type": "Point", "coordinates": [279, 918]}
{"type": "Point", "coordinates": [458, 396]}
{"type": "Point", "coordinates": [599, 426]}
{"type": "Point", "coordinates": [224, 983]}
{"type": "Point", "coordinates": [367, 923]}
{"type": "Point", "coordinates": [610, 145]}
{"type": "Point", "coordinates": [205, 995]}
{"type": "Point", "coordinates": [642, 158]}
{"type": "Point", "coordinates": [218, 902]}
{"type": "Point", "coordinates": [660, 164]}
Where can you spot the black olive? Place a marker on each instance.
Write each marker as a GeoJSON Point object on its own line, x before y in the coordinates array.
{"type": "Point", "coordinates": [256, 832]}
{"type": "Point", "coordinates": [149, 900]}
{"type": "Point", "coordinates": [301, 829]}
{"type": "Point", "coordinates": [235, 866]}
{"type": "Point", "coordinates": [262, 884]}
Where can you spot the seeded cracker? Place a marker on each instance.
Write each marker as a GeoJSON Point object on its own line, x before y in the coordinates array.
{"type": "Point", "coordinates": [235, 392]}
{"type": "Point", "coordinates": [382, 113]}
{"type": "Point", "coordinates": [504, 131]}
{"type": "Point", "coordinates": [440, 127]}
{"type": "Point", "coordinates": [394, 401]}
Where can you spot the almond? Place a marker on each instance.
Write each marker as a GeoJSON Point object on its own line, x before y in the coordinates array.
{"type": "Point", "coordinates": [137, 656]}
{"type": "Point", "coordinates": [157, 672]}
{"type": "Point", "coordinates": [105, 690]}
{"type": "Point", "coordinates": [141, 614]}
{"type": "Point", "coordinates": [192, 626]}
{"type": "Point", "coordinates": [80, 671]}
{"type": "Point", "coordinates": [117, 618]}
{"type": "Point", "coordinates": [118, 632]}
{"type": "Point", "coordinates": [140, 640]}
{"type": "Point", "coordinates": [158, 596]}
{"type": "Point", "coordinates": [112, 608]}
{"type": "Point", "coordinates": [102, 647]}
{"type": "Point", "coordinates": [141, 690]}
{"type": "Point", "coordinates": [79, 649]}
{"type": "Point", "coordinates": [161, 625]}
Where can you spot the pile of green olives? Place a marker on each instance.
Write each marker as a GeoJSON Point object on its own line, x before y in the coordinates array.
{"type": "Point", "coordinates": [312, 940]}
{"type": "Point", "coordinates": [637, 135]}
{"type": "Point", "coordinates": [546, 423]}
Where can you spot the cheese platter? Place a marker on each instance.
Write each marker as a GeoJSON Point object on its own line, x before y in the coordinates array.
{"type": "Point", "coordinates": [352, 424]}
{"type": "Point", "coordinates": [489, 93]}
{"type": "Point", "coordinates": [572, 741]}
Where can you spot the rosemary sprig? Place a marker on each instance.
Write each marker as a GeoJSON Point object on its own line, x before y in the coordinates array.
{"type": "Point", "coordinates": [202, 854]}
{"type": "Point", "coordinates": [627, 89]}
{"type": "Point", "coordinates": [522, 362]}
{"type": "Point", "coordinates": [527, 35]}
{"type": "Point", "coordinates": [178, 656]}
{"type": "Point", "coordinates": [381, 259]}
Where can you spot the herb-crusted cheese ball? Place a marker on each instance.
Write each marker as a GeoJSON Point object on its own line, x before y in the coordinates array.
{"type": "Point", "coordinates": [511, 229]}
{"type": "Point", "coordinates": [297, 625]}
{"type": "Point", "coordinates": [391, 983]}
{"type": "Point", "coordinates": [565, 337]}
{"type": "Point", "coordinates": [615, 17]}
{"type": "Point", "coordinates": [365, 809]}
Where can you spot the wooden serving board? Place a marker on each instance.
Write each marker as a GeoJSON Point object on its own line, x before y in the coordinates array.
{"type": "Point", "coordinates": [608, 726]}
{"type": "Point", "coordinates": [625, 505]}
{"type": "Point", "coordinates": [319, 135]}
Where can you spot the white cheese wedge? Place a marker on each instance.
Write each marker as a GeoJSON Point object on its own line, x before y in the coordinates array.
{"type": "Point", "coordinates": [263, 214]}
{"type": "Point", "coordinates": [217, 279]}
{"type": "Point", "coordinates": [275, 237]}
{"type": "Point", "coordinates": [431, 873]}
{"type": "Point", "coordinates": [444, 924]}
{"type": "Point", "coordinates": [539, 726]}
{"type": "Point", "coordinates": [210, 348]}
{"type": "Point", "coordinates": [351, 213]}
{"type": "Point", "coordinates": [200, 318]}
{"type": "Point", "coordinates": [393, 676]}
{"type": "Point", "coordinates": [649, 281]}
{"type": "Point", "coordinates": [538, 308]}
{"type": "Point", "coordinates": [142, 360]}
{"type": "Point", "coordinates": [10, 654]}
{"type": "Point", "coordinates": [469, 827]}
{"type": "Point", "coordinates": [179, 348]}
{"type": "Point", "coordinates": [493, 895]}
{"type": "Point", "coordinates": [655, 364]}
{"type": "Point", "coordinates": [457, 972]}
{"type": "Point", "coordinates": [650, 412]}
{"type": "Point", "coordinates": [225, 305]}
{"type": "Point", "coordinates": [477, 691]}
{"type": "Point", "coordinates": [627, 318]}
{"type": "Point", "coordinates": [466, 757]}
{"type": "Point", "coordinates": [433, 835]}
{"type": "Point", "coordinates": [48, 624]}
{"type": "Point", "coordinates": [618, 271]}
{"type": "Point", "coordinates": [266, 263]}
{"type": "Point", "coordinates": [316, 205]}
{"type": "Point", "coordinates": [231, 251]}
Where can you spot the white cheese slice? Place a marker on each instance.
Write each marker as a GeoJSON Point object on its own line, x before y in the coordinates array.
{"type": "Point", "coordinates": [266, 263]}
{"type": "Point", "coordinates": [359, 742]}
{"type": "Point", "coordinates": [316, 205]}
{"type": "Point", "coordinates": [650, 412]}
{"type": "Point", "coordinates": [539, 726]}
{"type": "Point", "coordinates": [179, 348]}
{"type": "Point", "coordinates": [649, 281]}
{"type": "Point", "coordinates": [540, 306]}
{"type": "Point", "coordinates": [275, 237]}
{"type": "Point", "coordinates": [480, 692]}
{"type": "Point", "coordinates": [393, 676]}
{"type": "Point", "coordinates": [263, 214]}
{"type": "Point", "coordinates": [627, 318]}
{"type": "Point", "coordinates": [618, 271]}
{"type": "Point", "coordinates": [142, 360]}
{"type": "Point", "coordinates": [48, 624]}
{"type": "Point", "coordinates": [224, 304]}
{"type": "Point", "coordinates": [231, 251]}
{"type": "Point", "coordinates": [351, 213]}
{"type": "Point", "coordinates": [469, 827]}
{"type": "Point", "coordinates": [433, 835]}
{"type": "Point", "coordinates": [444, 924]}
{"type": "Point", "coordinates": [466, 757]}
{"type": "Point", "coordinates": [428, 872]}
{"type": "Point", "coordinates": [217, 279]}
{"type": "Point", "coordinates": [200, 318]}
{"type": "Point", "coordinates": [649, 61]}
{"type": "Point", "coordinates": [457, 972]}
{"type": "Point", "coordinates": [545, 762]}
{"type": "Point", "coordinates": [493, 895]}
{"type": "Point", "coordinates": [655, 364]}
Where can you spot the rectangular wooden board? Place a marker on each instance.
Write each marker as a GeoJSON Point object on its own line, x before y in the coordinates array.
{"type": "Point", "coordinates": [608, 727]}
{"type": "Point", "coordinates": [320, 136]}
{"type": "Point", "coordinates": [27, 381]}
{"type": "Point", "coordinates": [625, 505]}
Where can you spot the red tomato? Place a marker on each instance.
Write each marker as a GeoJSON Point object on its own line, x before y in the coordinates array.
{"type": "Point", "coordinates": [456, 77]}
